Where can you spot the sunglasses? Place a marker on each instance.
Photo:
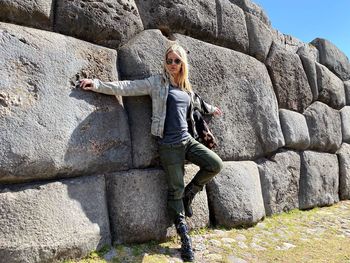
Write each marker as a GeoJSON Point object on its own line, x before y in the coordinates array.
{"type": "Point", "coordinates": [170, 61]}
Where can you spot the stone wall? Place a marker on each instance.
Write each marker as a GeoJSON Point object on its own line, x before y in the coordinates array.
{"type": "Point", "coordinates": [80, 170]}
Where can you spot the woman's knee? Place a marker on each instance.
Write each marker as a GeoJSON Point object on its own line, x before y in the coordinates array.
{"type": "Point", "coordinates": [217, 166]}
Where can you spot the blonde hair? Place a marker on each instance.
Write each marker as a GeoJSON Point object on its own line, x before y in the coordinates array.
{"type": "Point", "coordinates": [184, 83]}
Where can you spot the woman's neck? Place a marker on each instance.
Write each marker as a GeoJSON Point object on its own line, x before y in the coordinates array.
{"type": "Point", "coordinates": [175, 80]}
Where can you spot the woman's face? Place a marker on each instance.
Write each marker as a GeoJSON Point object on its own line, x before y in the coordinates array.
{"type": "Point", "coordinates": [173, 63]}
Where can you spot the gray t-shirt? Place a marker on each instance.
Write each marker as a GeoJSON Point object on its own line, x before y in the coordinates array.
{"type": "Point", "coordinates": [175, 127]}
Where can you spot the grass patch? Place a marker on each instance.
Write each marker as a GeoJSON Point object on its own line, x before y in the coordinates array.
{"type": "Point", "coordinates": [313, 236]}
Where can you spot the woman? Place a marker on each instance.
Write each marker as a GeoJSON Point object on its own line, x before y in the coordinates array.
{"type": "Point", "coordinates": [172, 101]}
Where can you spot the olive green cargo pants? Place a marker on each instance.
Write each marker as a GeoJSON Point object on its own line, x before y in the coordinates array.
{"type": "Point", "coordinates": [173, 158]}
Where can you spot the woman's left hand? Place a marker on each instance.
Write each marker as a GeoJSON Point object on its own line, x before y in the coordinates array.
{"type": "Point", "coordinates": [217, 112]}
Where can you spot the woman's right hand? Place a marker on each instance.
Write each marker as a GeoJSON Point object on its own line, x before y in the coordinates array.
{"type": "Point", "coordinates": [86, 84]}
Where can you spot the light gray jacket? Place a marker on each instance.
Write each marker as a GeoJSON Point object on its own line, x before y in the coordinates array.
{"type": "Point", "coordinates": [157, 87]}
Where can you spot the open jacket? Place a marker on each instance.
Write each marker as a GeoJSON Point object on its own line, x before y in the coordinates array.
{"type": "Point", "coordinates": [157, 87]}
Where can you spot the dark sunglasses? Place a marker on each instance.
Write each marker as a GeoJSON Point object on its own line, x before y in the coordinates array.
{"type": "Point", "coordinates": [170, 61]}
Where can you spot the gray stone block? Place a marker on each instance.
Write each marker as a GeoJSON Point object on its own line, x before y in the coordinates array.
{"type": "Point", "coordinates": [260, 37]}
{"type": "Point", "coordinates": [47, 222]}
{"type": "Point", "coordinates": [309, 56]}
{"type": "Point", "coordinates": [344, 171]}
{"type": "Point", "coordinates": [324, 126]}
{"type": "Point", "coordinates": [333, 58]}
{"type": "Point", "coordinates": [289, 79]}
{"type": "Point", "coordinates": [32, 13]}
{"type": "Point", "coordinates": [137, 204]}
{"type": "Point", "coordinates": [253, 9]}
{"type": "Point", "coordinates": [279, 176]}
{"type": "Point", "coordinates": [345, 123]}
{"type": "Point", "coordinates": [319, 180]}
{"type": "Point", "coordinates": [295, 130]}
{"type": "Point", "coordinates": [219, 22]}
{"type": "Point", "coordinates": [347, 92]}
{"type": "Point", "coordinates": [235, 197]}
{"type": "Point", "coordinates": [330, 87]}
{"type": "Point", "coordinates": [104, 22]}
{"type": "Point", "coordinates": [48, 128]}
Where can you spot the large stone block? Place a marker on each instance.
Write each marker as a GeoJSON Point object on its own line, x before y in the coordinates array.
{"type": "Point", "coordinates": [309, 56]}
{"type": "Point", "coordinates": [235, 197]}
{"type": "Point", "coordinates": [219, 22]}
{"type": "Point", "coordinates": [289, 79]}
{"type": "Point", "coordinates": [295, 130]}
{"type": "Point", "coordinates": [260, 37]}
{"type": "Point", "coordinates": [347, 92]}
{"type": "Point", "coordinates": [324, 126]}
{"type": "Point", "coordinates": [330, 87]}
{"type": "Point", "coordinates": [237, 83]}
{"type": "Point", "coordinates": [345, 123]}
{"type": "Point", "coordinates": [48, 128]}
{"type": "Point", "coordinates": [344, 171]}
{"type": "Point", "coordinates": [144, 144]}
{"type": "Point", "coordinates": [33, 13]}
{"type": "Point", "coordinates": [241, 87]}
{"type": "Point", "coordinates": [137, 205]}
{"type": "Point", "coordinates": [319, 179]}
{"type": "Point", "coordinates": [292, 44]}
{"type": "Point", "coordinates": [279, 176]}
{"type": "Point", "coordinates": [105, 22]}
{"type": "Point", "coordinates": [333, 58]}
{"type": "Point", "coordinates": [253, 9]}
{"type": "Point", "coordinates": [47, 222]}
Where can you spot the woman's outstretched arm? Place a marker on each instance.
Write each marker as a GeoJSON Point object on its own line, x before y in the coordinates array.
{"type": "Point", "coordinates": [122, 88]}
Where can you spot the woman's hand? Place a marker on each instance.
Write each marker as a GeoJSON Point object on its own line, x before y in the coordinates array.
{"type": "Point", "coordinates": [217, 112]}
{"type": "Point", "coordinates": [86, 84]}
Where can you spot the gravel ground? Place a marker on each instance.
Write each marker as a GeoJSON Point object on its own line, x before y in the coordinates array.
{"type": "Point", "coordinates": [317, 235]}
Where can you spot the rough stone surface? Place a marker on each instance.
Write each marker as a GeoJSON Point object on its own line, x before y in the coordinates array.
{"type": "Point", "coordinates": [309, 51]}
{"type": "Point", "coordinates": [289, 79]}
{"type": "Point", "coordinates": [200, 208]}
{"type": "Point", "coordinates": [241, 87]}
{"type": "Point", "coordinates": [33, 13]}
{"type": "Point", "coordinates": [292, 44]}
{"type": "Point", "coordinates": [219, 22]}
{"type": "Point", "coordinates": [333, 58]}
{"type": "Point", "coordinates": [345, 123]}
{"type": "Point", "coordinates": [137, 201]}
{"type": "Point", "coordinates": [253, 9]}
{"type": "Point", "coordinates": [308, 56]}
{"type": "Point", "coordinates": [144, 144]}
{"type": "Point", "coordinates": [105, 22]}
{"type": "Point", "coordinates": [319, 179]}
{"type": "Point", "coordinates": [48, 128]}
{"type": "Point", "coordinates": [260, 37]}
{"type": "Point", "coordinates": [344, 171]}
{"type": "Point", "coordinates": [324, 126]}
{"type": "Point", "coordinates": [235, 82]}
{"type": "Point", "coordinates": [279, 176]}
{"type": "Point", "coordinates": [347, 91]}
{"type": "Point", "coordinates": [235, 197]}
{"type": "Point", "coordinates": [295, 130]}
{"type": "Point", "coordinates": [330, 87]}
{"type": "Point", "coordinates": [46, 222]}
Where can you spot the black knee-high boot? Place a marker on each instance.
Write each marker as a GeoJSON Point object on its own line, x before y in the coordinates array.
{"type": "Point", "coordinates": [186, 244]}
{"type": "Point", "coordinates": [190, 191]}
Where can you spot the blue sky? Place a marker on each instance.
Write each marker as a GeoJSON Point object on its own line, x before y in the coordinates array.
{"type": "Point", "coordinates": [308, 19]}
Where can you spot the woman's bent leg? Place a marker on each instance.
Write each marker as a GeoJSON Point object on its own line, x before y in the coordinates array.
{"type": "Point", "coordinates": [209, 162]}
